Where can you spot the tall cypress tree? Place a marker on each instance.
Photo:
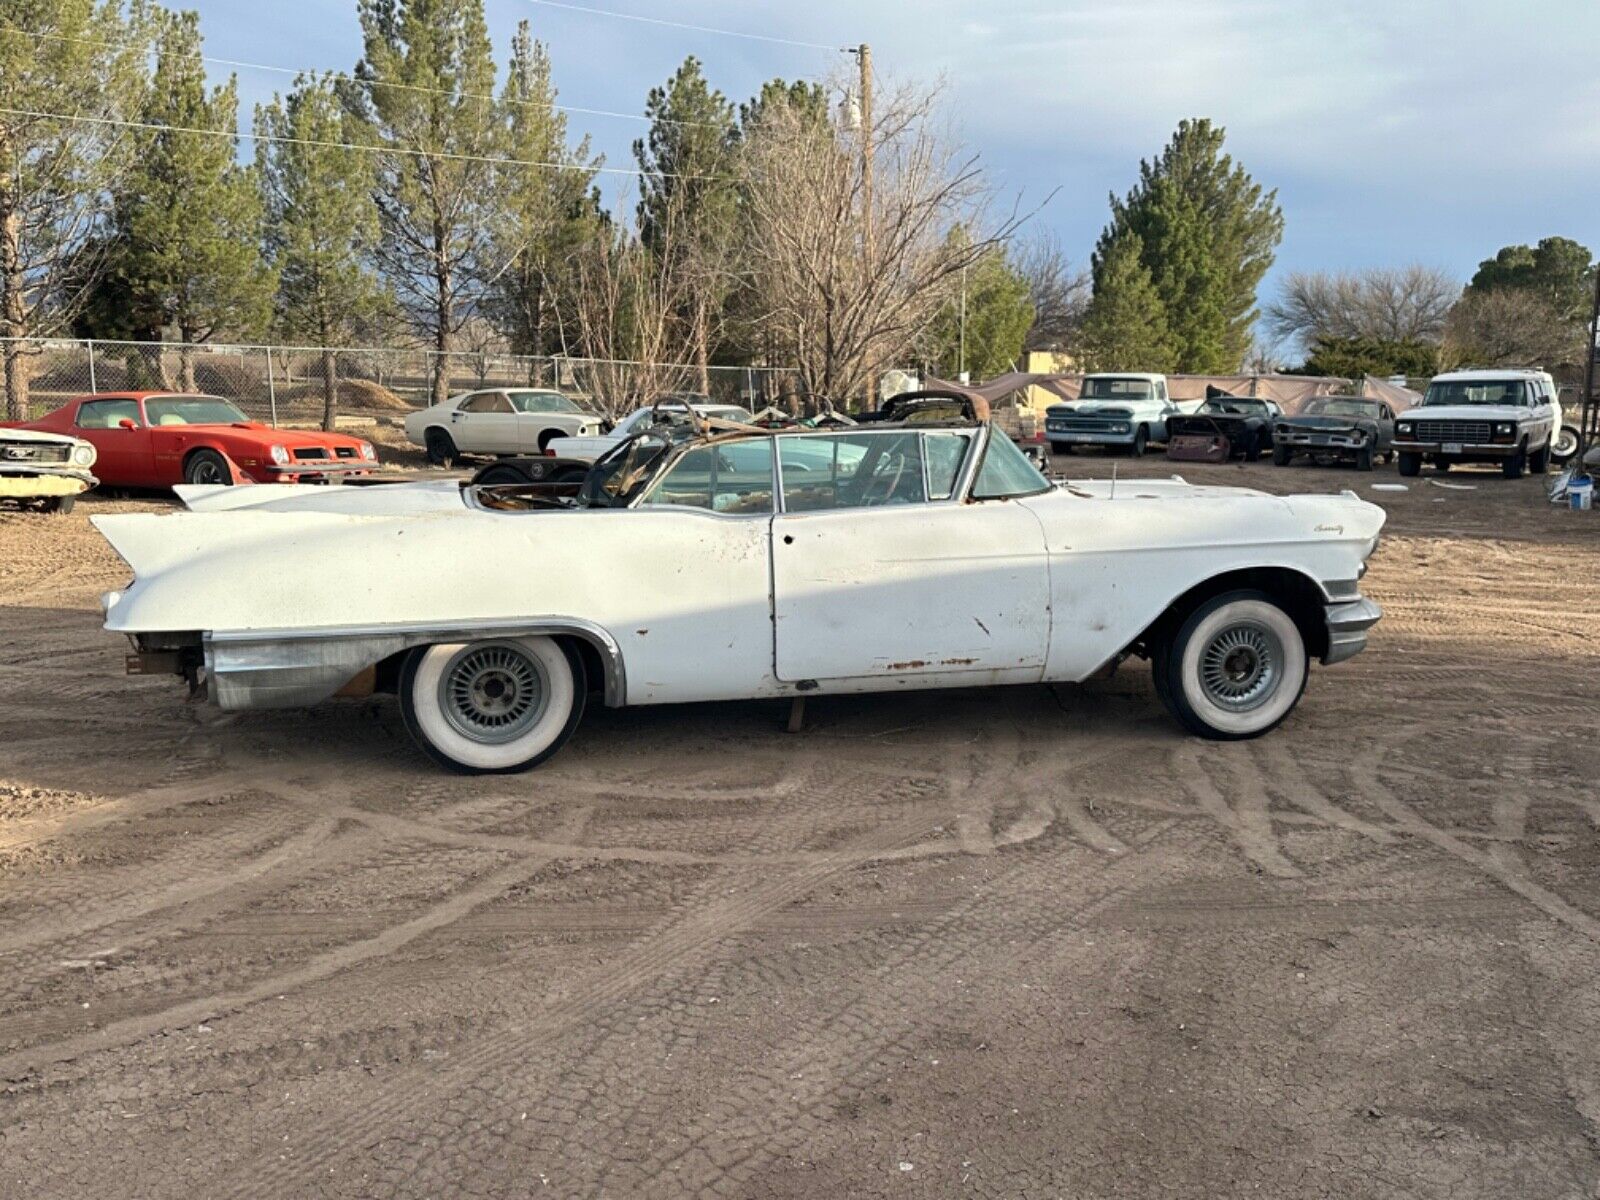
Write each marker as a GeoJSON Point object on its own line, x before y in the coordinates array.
{"type": "Point", "coordinates": [1207, 234]}
{"type": "Point", "coordinates": [425, 90]}
{"type": "Point", "coordinates": [322, 225]}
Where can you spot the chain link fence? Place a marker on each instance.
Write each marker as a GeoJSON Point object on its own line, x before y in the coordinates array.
{"type": "Point", "coordinates": [284, 385]}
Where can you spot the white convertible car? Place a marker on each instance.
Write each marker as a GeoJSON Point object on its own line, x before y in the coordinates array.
{"type": "Point", "coordinates": [498, 421]}
{"type": "Point", "coordinates": [743, 564]}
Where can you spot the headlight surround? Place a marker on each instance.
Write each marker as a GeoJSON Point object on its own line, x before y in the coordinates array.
{"type": "Point", "coordinates": [1404, 427]}
{"type": "Point", "coordinates": [279, 455]}
{"type": "Point", "coordinates": [368, 452]}
{"type": "Point", "coordinates": [1120, 428]}
{"type": "Point", "coordinates": [83, 454]}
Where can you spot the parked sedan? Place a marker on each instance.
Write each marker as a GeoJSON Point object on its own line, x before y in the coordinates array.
{"type": "Point", "coordinates": [44, 471]}
{"type": "Point", "coordinates": [161, 439]}
{"type": "Point", "coordinates": [498, 421]}
{"type": "Point", "coordinates": [1336, 429]}
{"type": "Point", "coordinates": [748, 564]}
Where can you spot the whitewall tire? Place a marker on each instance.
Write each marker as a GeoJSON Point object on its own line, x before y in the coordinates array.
{"type": "Point", "coordinates": [493, 706]}
{"type": "Point", "coordinates": [1236, 667]}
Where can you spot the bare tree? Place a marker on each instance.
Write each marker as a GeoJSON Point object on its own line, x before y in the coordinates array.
{"type": "Point", "coordinates": [1059, 291]}
{"type": "Point", "coordinates": [1392, 304]}
{"type": "Point", "coordinates": [846, 290]}
{"type": "Point", "coordinates": [1509, 327]}
{"type": "Point", "coordinates": [628, 302]}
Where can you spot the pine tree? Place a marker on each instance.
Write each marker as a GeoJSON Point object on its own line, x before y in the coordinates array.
{"type": "Point", "coordinates": [998, 313]}
{"type": "Point", "coordinates": [322, 225]}
{"type": "Point", "coordinates": [1208, 233]}
{"type": "Point", "coordinates": [1126, 325]}
{"type": "Point", "coordinates": [188, 215]}
{"type": "Point", "coordinates": [547, 212]}
{"type": "Point", "coordinates": [424, 89]}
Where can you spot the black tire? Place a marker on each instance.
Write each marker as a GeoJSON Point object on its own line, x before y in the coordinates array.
{"type": "Point", "coordinates": [206, 466]}
{"type": "Point", "coordinates": [441, 447]}
{"type": "Point", "coordinates": [1062, 448]}
{"type": "Point", "coordinates": [1253, 448]}
{"type": "Point", "coordinates": [1141, 439]}
{"type": "Point", "coordinates": [425, 676]}
{"type": "Point", "coordinates": [1443, 465]}
{"type": "Point", "coordinates": [1539, 460]}
{"type": "Point", "coordinates": [1282, 456]}
{"type": "Point", "coordinates": [1226, 648]}
{"type": "Point", "coordinates": [61, 505]}
{"type": "Point", "coordinates": [570, 475]}
{"type": "Point", "coordinates": [1364, 459]}
{"type": "Point", "coordinates": [1410, 462]}
{"type": "Point", "coordinates": [1513, 467]}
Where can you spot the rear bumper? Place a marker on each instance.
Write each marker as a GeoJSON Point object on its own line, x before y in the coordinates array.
{"type": "Point", "coordinates": [1348, 622]}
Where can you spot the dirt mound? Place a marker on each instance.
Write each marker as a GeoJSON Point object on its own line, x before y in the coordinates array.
{"type": "Point", "coordinates": [374, 397]}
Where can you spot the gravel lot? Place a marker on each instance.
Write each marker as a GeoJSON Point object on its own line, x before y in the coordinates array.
{"type": "Point", "coordinates": [1026, 942]}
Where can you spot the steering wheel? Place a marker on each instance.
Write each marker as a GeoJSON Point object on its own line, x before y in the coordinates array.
{"type": "Point", "coordinates": [898, 460]}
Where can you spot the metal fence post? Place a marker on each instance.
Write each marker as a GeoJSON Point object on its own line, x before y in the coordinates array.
{"type": "Point", "coordinates": [272, 389]}
{"type": "Point", "coordinates": [89, 345]}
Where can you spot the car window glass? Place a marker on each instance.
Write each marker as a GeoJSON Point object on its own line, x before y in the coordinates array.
{"type": "Point", "coordinates": [1006, 471]}
{"type": "Point", "coordinates": [486, 402]}
{"type": "Point", "coordinates": [542, 402]}
{"type": "Point", "coordinates": [730, 478]}
{"type": "Point", "coordinates": [107, 414]}
{"type": "Point", "coordinates": [192, 410]}
{"type": "Point", "coordinates": [944, 453]}
{"type": "Point", "coordinates": [853, 470]}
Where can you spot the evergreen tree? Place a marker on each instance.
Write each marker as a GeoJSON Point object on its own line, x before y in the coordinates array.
{"type": "Point", "coordinates": [1126, 327]}
{"type": "Point", "coordinates": [547, 214]}
{"type": "Point", "coordinates": [998, 314]}
{"type": "Point", "coordinates": [424, 89]}
{"type": "Point", "coordinates": [322, 226]}
{"type": "Point", "coordinates": [1208, 233]}
{"type": "Point", "coordinates": [1353, 357]}
{"type": "Point", "coordinates": [1558, 270]}
{"type": "Point", "coordinates": [56, 176]}
{"type": "Point", "coordinates": [188, 215]}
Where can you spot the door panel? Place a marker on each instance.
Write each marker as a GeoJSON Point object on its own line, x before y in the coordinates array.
{"type": "Point", "coordinates": [123, 456]}
{"type": "Point", "coordinates": [909, 589]}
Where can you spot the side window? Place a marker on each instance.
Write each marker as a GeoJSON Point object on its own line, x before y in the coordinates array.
{"type": "Point", "coordinates": [107, 414]}
{"type": "Point", "coordinates": [944, 453]}
{"type": "Point", "coordinates": [1161, 390]}
{"type": "Point", "coordinates": [484, 402]}
{"type": "Point", "coordinates": [853, 470]}
{"type": "Point", "coordinates": [1006, 471]}
{"type": "Point", "coordinates": [735, 477]}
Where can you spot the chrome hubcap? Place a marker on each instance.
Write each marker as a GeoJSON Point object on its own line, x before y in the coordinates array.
{"type": "Point", "coordinates": [1241, 666]}
{"type": "Point", "coordinates": [493, 693]}
{"type": "Point", "coordinates": [206, 472]}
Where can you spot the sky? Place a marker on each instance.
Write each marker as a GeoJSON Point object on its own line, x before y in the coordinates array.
{"type": "Point", "coordinates": [1394, 131]}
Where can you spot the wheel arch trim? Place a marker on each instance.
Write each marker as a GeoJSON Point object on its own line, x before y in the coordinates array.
{"type": "Point", "coordinates": [291, 668]}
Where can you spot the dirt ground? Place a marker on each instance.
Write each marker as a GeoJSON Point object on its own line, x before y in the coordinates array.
{"type": "Point", "coordinates": [1028, 942]}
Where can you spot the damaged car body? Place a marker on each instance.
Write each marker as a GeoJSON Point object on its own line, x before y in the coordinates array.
{"type": "Point", "coordinates": [724, 561]}
{"type": "Point", "coordinates": [1223, 428]}
{"type": "Point", "coordinates": [43, 471]}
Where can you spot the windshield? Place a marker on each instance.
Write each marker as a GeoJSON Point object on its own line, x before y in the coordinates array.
{"type": "Point", "coordinates": [542, 402]}
{"type": "Point", "coordinates": [192, 410]}
{"type": "Point", "coordinates": [1341, 408]}
{"type": "Point", "coordinates": [1234, 405]}
{"type": "Point", "coordinates": [1477, 391]}
{"type": "Point", "coordinates": [1116, 389]}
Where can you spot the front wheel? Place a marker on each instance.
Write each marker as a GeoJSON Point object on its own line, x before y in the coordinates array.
{"type": "Point", "coordinates": [1141, 439]}
{"type": "Point", "coordinates": [206, 466]}
{"type": "Point", "coordinates": [1282, 456]}
{"type": "Point", "coordinates": [1236, 667]}
{"type": "Point", "coordinates": [1514, 466]}
{"type": "Point", "coordinates": [1410, 463]}
{"type": "Point", "coordinates": [1364, 459]}
{"type": "Point", "coordinates": [492, 707]}
{"type": "Point", "coordinates": [1539, 460]}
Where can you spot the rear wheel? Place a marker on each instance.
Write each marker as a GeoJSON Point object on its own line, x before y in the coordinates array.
{"type": "Point", "coordinates": [492, 707]}
{"type": "Point", "coordinates": [1282, 456]}
{"type": "Point", "coordinates": [1236, 667]}
{"type": "Point", "coordinates": [206, 466]}
{"type": "Point", "coordinates": [495, 476]}
{"type": "Point", "coordinates": [1565, 445]}
{"type": "Point", "coordinates": [546, 435]}
{"type": "Point", "coordinates": [441, 448]}
{"type": "Point", "coordinates": [1513, 467]}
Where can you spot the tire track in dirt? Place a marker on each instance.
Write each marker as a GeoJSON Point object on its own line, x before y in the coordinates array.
{"type": "Point", "coordinates": [1509, 875]}
{"type": "Point", "coordinates": [437, 916]}
{"type": "Point", "coordinates": [1245, 819]}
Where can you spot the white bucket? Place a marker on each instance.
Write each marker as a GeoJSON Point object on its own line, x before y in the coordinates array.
{"type": "Point", "coordinates": [1580, 494]}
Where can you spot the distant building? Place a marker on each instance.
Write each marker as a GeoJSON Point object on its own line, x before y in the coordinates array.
{"type": "Point", "coordinates": [1045, 362]}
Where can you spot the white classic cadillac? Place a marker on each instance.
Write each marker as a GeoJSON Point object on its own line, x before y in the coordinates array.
{"type": "Point", "coordinates": [743, 563]}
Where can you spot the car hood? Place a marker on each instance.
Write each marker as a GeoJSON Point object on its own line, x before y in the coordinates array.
{"type": "Point", "coordinates": [1175, 488]}
{"type": "Point", "coordinates": [386, 499]}
{"type": "Point", "coordinates": [1464, 412]}
{"type": "Point", "coordinates": [35, 436]}
{"type": "Point", "coordinates": [266, 435]}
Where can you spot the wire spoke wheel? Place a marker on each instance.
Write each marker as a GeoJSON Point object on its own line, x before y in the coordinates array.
{"type": "Point", "coordinates": [1241, 666]}
{"type": "Point", "coordinates": [493, 692]}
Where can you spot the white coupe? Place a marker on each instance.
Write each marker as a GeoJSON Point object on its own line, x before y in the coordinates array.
{"type": "Point", "coordinates": [498, 421]}
{"type": "Point", "coordinates": [744, 564]}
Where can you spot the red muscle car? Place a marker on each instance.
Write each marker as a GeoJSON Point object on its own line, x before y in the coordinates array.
{"type": "Point", "coordinates": [158, 439]}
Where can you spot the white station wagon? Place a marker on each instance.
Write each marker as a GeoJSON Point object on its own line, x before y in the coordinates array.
{"type": "Point", "coordinates": [498, 421]}
{"type": "Point", "coordinates": [743, 564]}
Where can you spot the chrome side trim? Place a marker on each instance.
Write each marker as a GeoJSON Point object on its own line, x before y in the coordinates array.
{"type": "Point", "coordinates": [292, 668]}
{"type": "Point", "coordinates": [1348, 623]}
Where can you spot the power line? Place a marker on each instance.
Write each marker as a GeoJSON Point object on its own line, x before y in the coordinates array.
{"type": "Point", "coordinates": [379, 83]}
{"type": "Point", "coordinates": [446, 155]}
{"type": "Point", "coordinates": [755, 37]}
